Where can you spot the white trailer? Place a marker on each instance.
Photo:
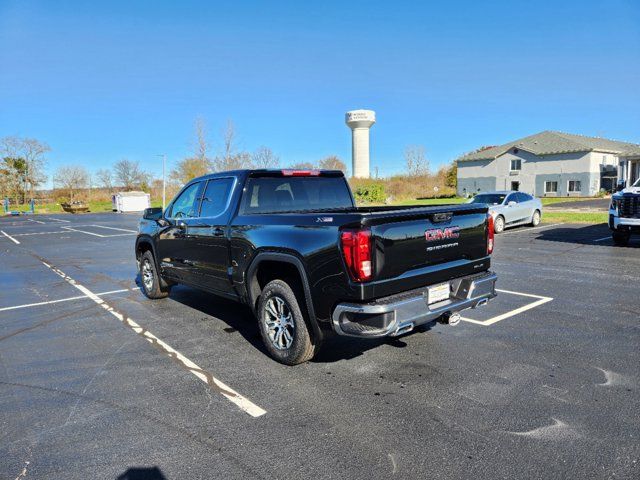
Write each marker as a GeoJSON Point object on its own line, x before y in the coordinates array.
{"type": "Point", "coordinates": [130, 201]}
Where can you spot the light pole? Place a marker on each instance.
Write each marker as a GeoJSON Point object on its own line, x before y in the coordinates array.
{"type": "Point", "coordinates": [164, 190]}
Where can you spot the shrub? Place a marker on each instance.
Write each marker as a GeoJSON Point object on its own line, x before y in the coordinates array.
{"type": "Point", "coordinates": [369, 192]}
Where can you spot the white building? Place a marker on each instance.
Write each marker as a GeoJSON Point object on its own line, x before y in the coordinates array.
{"type": "Point", "coordinates": [554, 164]}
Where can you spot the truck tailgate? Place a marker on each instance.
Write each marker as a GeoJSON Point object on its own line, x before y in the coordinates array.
{"type": "Point", "coordinates": [421, 246]}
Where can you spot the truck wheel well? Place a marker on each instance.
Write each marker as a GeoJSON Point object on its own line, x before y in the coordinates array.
{"type": "Point", "coordinates": [143, 247]}
{"type": "Point", "coordinates": [269, 270]}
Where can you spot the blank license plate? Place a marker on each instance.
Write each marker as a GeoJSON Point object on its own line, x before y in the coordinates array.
{"type": "Point", "coordinates": [438, 293]}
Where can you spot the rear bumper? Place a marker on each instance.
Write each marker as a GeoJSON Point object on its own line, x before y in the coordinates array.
{"type": "Point", "coordinates": [398, 314]}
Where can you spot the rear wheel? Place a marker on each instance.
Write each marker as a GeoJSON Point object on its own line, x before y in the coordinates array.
{"type": "Point", "coordinates": [535, 218]}
{"type": "Point", "coordinates": [621, 238]}
{"type": "Point", "coordinates": [498, 224]}
{"type": "Point", "coordinates": [152, 284]}
{"type": "Point", "coordinates": [283, 328]}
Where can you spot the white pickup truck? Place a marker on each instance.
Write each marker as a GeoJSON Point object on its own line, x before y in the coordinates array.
{"type": "Point", "coordinates": [624, 213]}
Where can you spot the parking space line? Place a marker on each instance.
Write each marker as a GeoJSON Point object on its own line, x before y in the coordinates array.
{"type": "Point", "coordinates": [241, 402]}
{"type": "Point", "coordinates": [10, 237]}
{"type": "Point", "coordinates": [603, 239]}
{"type": "Point", "coordinates": [541, 300]}
{"type": "Point", "coordinates": [113, 228]}
{"type": "Point", "coordinates": [82, 231]}
{"type": "Point", "coordinates": [36, 221]}
{"type": "Point", "coordinates": [58, 220]}
{"type": "Point", "coordinates": [36, 233]}
{"type": "Point", "coordinates": [530, 228]}
{"type": "Point", "coordinates": [68, 299]}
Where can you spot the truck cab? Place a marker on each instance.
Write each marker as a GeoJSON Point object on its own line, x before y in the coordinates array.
{"type": "Point", "coordinates": [624, 213]}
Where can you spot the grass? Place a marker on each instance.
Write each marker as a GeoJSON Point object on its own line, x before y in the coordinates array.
{"type": "Point", "coordinates": [575, 217]}
{"type": "Point", "coordinates": [94, 206]}
{"type": "Point", "coordinates": [553, 200]}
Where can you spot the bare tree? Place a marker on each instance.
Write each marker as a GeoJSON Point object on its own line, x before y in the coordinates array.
{"type": "Point", "coordinates": [230, 158]}
{"type": "Point", "coordinates": [71, 179]}
{"type": "Point", "coordinates": [264, 157]}
{"type": "Point", "coordinates": [129, 175]}
{"type": "Point", "coordinates": [201, 146]}
{"type": "Point", "coordinates": [302, 166]}
{"type": "Point", "coordinates": [32, 153]}
{"type": "Point", "coordinates": [417, 163]}
{"type": "Point", "coordinates": [199, 164]}
{"type": "Point", "coordinates": [332, 162]}
{"type": "Point", "coordinates": [105, 179]}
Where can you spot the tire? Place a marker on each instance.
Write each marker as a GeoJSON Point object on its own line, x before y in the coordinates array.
{"type": "Point", "coordinates": [498, 224]}
{"type": "Point", "coordinates": [151, 282]}
{"type": "Point", "coordinates": [535, 218]}
{"type": "Point", "coordinates": [284, 329]}
{"type": "Point", "coordinates": [621, 238]}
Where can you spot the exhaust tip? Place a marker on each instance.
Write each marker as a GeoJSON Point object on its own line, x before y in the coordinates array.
{"type": "Point", "coordinates": [481, 303]}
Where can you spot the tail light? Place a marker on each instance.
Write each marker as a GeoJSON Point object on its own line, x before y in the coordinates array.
{"type": "Point", "coordinates": [356, 248]}
{"type": "Point", "coordinates": [490, 234]}
{"type": "Point", "coordinates": [300, 173]}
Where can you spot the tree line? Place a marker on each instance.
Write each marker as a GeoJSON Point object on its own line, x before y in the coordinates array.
{"type": "Point", "coordinates": [23, 164]}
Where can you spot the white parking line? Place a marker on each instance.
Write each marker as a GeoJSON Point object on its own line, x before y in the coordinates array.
{"type": "Point", "coordinates": [10, 237]}
{"type": "Point", "coordinates": [58, 220]}
{"type": "Point", "coordinates": [37, 233]}
{"type": "Point", "coordinates": [113, 228]}
{"type": "Point", "coordinates": [241, 402]}
{"type": "Point", "coordinates": [68, 299]}
{"type": "Point", "coordinates": [485, 323]}
{"type": "Point", "coordinates": [36, 221]}
{"type": "Point", "coordinates": [528, 229]}
{"type": "Point", "coordinates": [603, 239]}
{"type": "Point", "coordinates": [82, 231]}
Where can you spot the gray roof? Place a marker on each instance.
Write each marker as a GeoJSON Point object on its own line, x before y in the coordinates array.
{"type": "Point", "coordinates": [550, 142]}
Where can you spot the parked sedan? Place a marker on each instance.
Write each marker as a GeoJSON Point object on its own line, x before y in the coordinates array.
{"type": "Point", "coordinates": [510, 209]}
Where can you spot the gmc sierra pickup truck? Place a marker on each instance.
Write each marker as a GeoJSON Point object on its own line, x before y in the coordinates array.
{"type": "Point", "coordinates": [293, 246]}
{"type": "Point", "coordinates": [624, 214]}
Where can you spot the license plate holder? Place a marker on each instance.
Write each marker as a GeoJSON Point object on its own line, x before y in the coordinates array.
{"type": "Point", "coordinates": [438, 293]}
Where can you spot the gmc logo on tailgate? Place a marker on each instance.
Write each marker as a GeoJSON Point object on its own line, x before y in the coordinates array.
{"type": "Point", "coordinates": [446, 233]}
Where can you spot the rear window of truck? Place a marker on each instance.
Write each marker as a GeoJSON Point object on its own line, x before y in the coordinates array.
{"type": "Point", "coordinates": [287, 194]}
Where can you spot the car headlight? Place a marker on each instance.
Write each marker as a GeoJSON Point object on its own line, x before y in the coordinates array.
{"type": "Point", "coordinates": [615, 204]}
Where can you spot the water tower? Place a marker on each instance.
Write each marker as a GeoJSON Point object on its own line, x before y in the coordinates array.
{"type": "Point", "coordinates": [360, 121]}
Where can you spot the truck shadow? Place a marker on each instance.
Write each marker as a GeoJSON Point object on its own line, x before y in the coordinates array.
{"type": "Point", "coordinates": [586, 235]}
{"type": "Point", "coordinates": [240, 319]}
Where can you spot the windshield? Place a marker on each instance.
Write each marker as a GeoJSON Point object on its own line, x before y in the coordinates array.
{"type": "Point", "coordinates": [489, 198]}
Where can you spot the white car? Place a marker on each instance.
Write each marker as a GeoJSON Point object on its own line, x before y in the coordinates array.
{"type": "Point", "coordinates": [510, 209]}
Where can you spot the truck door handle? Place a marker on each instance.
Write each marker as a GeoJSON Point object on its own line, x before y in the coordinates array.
{"type": "Point", "coordinates": [218, 232]}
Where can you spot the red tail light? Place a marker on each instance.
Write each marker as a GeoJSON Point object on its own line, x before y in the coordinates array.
{"type": "Point", "coordinates": [301, 173]}
{"type": "Point", "coordinates": [490, 234]}
{"type": "Point", "coordinates": [356, 248]}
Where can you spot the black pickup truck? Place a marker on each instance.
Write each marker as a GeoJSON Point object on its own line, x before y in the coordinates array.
{"type": "Point", "coordinates": [293, 246]}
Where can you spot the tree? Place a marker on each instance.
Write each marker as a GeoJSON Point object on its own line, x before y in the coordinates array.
{"type": "Point", "coordinates": [451, 175]}
{"type": "Point", "coordinates": [302, 166]}
{"type": "Point", "coordinates": [332, 162]}
{"type": "Point", "coordinates": [105, 179]}
{"type": "Point", "coordinates": [230, 158]}
{"type": "Point", "coordinates": [71, 178]}
{"type": "Point", "coordinates": [264, 157]}
{"type": "Point", "coordinates": [29, 155]}
{"type": "Point", "coordinates": [129, 175]}
{"type": "Point", "coordinates": [417, 163]}
{"type": "Point", "coordinates": [199, 164]}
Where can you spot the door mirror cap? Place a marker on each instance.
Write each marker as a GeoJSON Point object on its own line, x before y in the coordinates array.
{"type": "Point", "coordinates": [154, 213]}
{"type": "Point", "coordinates": [181, 225]}
{"type": "Point", "coordinates": [512, 203]}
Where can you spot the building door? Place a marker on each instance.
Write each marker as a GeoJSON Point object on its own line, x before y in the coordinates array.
{"type": "Point", "coordinates": [515, 186]}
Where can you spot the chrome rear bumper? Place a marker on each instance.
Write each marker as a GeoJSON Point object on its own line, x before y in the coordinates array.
{"type": "Point", "coordinates": [398, 314]}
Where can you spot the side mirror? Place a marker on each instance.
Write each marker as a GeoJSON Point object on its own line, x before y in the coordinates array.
{"type": "Point", "coordinates": [154, 213]}
{"type": "Point", "coordinates": [181, 225]}
{"type": "Point", "coordinates": [621, 185]}
{"type": "Point", "coordinates": [512, 203]}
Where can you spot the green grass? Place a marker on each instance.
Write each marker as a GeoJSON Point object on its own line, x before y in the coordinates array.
{"type": "Point", "coordinates": [552, 200]}
{"type": "Point", "coordinates": [575, 217]}
{"type": "Point", "coordinates": [94, 206]}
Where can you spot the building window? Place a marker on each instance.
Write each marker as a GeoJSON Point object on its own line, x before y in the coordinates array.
{"type": "Point", "coordinates": [551, 187]}
{"type": "Point", "coordinates": [516, 165]}
{"type": "Point", "coordinates": [574, 186]}
{"type": "Point", "coordinates": [604, 159]}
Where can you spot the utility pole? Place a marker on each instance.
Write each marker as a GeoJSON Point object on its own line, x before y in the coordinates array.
{"type": "Point", "coordinates": [164, 189]}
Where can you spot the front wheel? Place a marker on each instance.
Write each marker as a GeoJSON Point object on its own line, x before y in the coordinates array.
{"type": "Point", "coordinates": [535, 218]}
{"type": "Point", "coordinates": [621, 238]}
{"type": "Point", "coordinates": [283, 327]}
{"type": "Point", "coordinates": [152, 284]}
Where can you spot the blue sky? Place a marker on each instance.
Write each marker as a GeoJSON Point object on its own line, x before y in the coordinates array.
{"type": "Point", "coordinates": [101, 81]}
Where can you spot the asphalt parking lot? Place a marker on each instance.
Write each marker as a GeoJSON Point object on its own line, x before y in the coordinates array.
{"type": "Point", "coordinates": [96, 381]}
